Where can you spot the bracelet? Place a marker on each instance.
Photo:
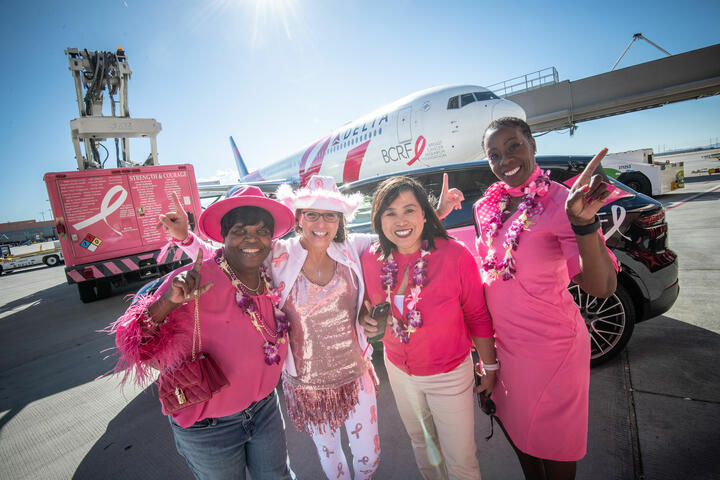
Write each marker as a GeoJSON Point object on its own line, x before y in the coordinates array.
{"type": "Point", "coordinates": [188, 240]}
{"type": "Point", "coordinates": [491, 367]}
{"type": "Point", "coordinates": [586, 229]}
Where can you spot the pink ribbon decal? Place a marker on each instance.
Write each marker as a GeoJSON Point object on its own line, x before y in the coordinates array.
{"type": "Point", "coordinates": [356, 432]}
{"type": "Point", "coordinates": [419, 149]}
{"type": "Point", "coordinates": [373, 415]}
{"type": "Point", "coordinates": [377, 448]}
{"type": "Point", "coordinates": [327, 452]}
{"type": "Point", "coordinates": [340, 471]}
{"type": "Point", "coordinates": [278, 260]}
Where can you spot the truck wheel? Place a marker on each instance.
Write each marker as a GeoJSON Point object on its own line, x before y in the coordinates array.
{"type": "Point", "coordinates": [610, 322]}
{"type": "Point", "coordinates": [87, 292]}
{"type": "Point", "coordinates": [103, 289]}
{"type": "Point", "coordinates": [1, 270]}
{"type": "Point", "coordinates": [637, 181]}
{"type": "Point", "coordinates": [51, 261]}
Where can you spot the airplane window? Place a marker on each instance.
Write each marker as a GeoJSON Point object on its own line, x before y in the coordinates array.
{"type": "Point", "coordinates": [467, 98]}
{"type": "Point", "coordinates": [453, 103]}
{"type": "Point", "coordinates": [480, 96]}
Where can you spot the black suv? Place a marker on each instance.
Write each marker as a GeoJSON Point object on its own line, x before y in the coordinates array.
{"type": "Point", "coordinates": [634, 228]}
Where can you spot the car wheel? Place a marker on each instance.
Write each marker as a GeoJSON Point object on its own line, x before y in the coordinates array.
{"type": "Point", "coordinates": [51, 261]}
{"type": "Point", "coordinates": [636, 181]}
{"type": "Point", "coordinates": [610, 322]}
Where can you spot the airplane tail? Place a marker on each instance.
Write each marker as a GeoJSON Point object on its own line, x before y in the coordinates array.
{"type": "Point", "coordinates": [242, 169]}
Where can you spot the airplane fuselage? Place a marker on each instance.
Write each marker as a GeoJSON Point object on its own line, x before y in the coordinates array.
{"type": "Point", "coordinates": [432, 127]}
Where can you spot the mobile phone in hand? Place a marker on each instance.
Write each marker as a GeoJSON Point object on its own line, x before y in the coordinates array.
{"type": "Point", "coordinates": [380, 312]}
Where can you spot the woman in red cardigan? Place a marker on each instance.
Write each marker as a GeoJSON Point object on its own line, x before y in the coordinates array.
{"type": "Point", "coordinates": [437, 313]}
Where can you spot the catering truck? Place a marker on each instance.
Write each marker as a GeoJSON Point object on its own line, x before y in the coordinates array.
{"type": "Point", "coordinates": [639, 170]}
{"type": "Point", "coordinates": [106, 218]}
{"type": "Point", "coordinates": [12, 258]}
{"type": "Point", "coordinates": [107, 223]}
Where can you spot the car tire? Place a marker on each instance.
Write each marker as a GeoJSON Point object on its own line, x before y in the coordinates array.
{"type": "Point", "coordinates": [610, 322]}
{"type": "Point", "coordinates": [51, 261]}
{"type": "Point", "coordinates": [87, 292]}
{"type": "Point", "coordinates": [637, 181]}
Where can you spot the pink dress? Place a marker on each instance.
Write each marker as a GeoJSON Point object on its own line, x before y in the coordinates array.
{"type": "Point", "coordinates": [541, 339]}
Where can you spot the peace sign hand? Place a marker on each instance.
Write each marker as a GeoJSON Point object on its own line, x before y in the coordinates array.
{"type": "Point", "coordinates": [186, 286]}
{"type": "Point", "coordinates": [587, 194]}
{"type": "Point", "coordinates": [450, 199]}
{"type": "Point", "coordinates": [175, 223]}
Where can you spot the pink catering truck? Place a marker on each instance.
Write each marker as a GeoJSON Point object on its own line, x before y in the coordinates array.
{"type": "Point", "coordinates": [106, 221]}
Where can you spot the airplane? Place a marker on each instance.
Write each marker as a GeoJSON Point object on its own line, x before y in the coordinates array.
{"type": "Point", "coordinates": [439, 125]}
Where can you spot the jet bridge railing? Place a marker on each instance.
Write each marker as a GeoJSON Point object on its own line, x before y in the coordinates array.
{"type": "Point", "coordinates": [523, 83]}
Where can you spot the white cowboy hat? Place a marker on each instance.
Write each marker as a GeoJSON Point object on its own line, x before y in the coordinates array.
{"type": "Point", "coordinates": [320, 193]}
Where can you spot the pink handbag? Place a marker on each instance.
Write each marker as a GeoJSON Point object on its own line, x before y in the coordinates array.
{"type": "Point", "coordinates": [194, 381]}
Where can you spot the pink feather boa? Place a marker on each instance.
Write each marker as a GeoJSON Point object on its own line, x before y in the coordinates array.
{"type": "Point", "coordinates": [142, 347]}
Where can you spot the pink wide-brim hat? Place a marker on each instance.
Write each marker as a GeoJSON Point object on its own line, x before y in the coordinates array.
{"type": "Point", "coordinates": [320, 193]}
{"type": "Point", "coordinates": [249, 196]}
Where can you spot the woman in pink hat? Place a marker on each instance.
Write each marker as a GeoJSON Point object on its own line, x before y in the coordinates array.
{"type": "Point", "coordinates": [241, 329]}
{"type": "Point", "coordinates": [328, 379]}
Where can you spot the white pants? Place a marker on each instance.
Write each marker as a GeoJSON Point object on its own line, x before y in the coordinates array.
{"type": "Point", "coordinates": [438, 414]}
{"type": "Point", "coordinates": [362, 431]}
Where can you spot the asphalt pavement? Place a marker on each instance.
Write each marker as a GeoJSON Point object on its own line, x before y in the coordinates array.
{"type": "Point", "coordinates": [654, 410]}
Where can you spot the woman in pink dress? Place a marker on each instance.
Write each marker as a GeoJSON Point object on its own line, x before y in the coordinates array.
{"type": "Point", "coordinates": [535, 236]}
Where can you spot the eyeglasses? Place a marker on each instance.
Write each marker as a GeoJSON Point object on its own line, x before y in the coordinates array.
{"type": "Point", "coordinates": [330, 217]}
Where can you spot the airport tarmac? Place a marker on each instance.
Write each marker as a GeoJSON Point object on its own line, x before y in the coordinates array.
{"type": "Point", "coordinates": [654, 410]}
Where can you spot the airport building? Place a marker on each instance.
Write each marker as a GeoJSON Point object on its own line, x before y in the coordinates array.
{"type": "Point", "coordinates": [27, 231]}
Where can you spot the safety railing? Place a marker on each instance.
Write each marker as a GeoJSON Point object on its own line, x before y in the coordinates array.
{"type": "Point", "coordinates": [526, 82]}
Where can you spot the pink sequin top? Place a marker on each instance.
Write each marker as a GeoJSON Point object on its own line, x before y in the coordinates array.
{"type": "Point", "coordinates": [322, 338]}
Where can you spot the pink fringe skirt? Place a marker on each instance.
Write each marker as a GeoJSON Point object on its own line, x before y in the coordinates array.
{"type": "Point", "coordinates": [315, 409]}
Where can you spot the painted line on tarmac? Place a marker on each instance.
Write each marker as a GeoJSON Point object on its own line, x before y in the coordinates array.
{"type": "Point", "coordinates": [690, 199]}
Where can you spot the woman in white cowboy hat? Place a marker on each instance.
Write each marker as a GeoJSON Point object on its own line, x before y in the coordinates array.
{"type": "Point", "coordinates": [230, 297]}
{"type": "Point", "coordinates": [328, 379]}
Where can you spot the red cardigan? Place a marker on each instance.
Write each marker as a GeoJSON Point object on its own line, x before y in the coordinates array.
{"type": "Point", "coordinates": [452, 305]}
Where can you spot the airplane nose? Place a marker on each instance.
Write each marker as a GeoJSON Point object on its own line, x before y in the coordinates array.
{"type": "Point", "coordinates": [506, 108]}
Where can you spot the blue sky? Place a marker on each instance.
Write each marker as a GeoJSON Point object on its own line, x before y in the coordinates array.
{"type": "Point", "coordinates": [279, 74]}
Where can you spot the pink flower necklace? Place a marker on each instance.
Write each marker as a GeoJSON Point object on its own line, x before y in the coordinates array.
{"type": "Point", "coordinates": [536, 186]}
{"type": "Point", "coordinates": [273, 336]}
{"type": "Point", "coordinates": [419, 275]}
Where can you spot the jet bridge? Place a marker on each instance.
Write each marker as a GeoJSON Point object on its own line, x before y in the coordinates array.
{"type": "Point", "coordinates": [553, 105]}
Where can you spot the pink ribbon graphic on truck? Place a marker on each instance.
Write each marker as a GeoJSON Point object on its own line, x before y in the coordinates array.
{"type": "Point", "coordinates": [106, 208]}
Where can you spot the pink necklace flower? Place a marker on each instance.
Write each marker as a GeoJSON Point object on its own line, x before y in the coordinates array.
{"type": "Point", "coordinates": [274, 336]}
{"type": "Point", "coordinates": [537, 186]}
{"type": "Point", "coordinates": [419, 275]}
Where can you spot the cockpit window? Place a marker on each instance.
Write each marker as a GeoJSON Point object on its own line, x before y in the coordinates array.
{"type": "Point", "coordinates": [453, 103]}
{"type": "Point", "coordinates": [466, 99]}
{"type": "Point", "coordinates": [480, 96]}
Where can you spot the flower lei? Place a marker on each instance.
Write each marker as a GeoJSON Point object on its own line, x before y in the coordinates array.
{"type": "Point", "coordinates": [529, 208]}
{"type": "Point", "coordinates": [247, 304]}
{"type": "Point", "coordinates": [419, 275]}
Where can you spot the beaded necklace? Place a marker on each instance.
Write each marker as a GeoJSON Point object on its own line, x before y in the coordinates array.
{"type": "Point", "coordinates": [273, 336]}
{"type": "Point", "coordinates": [419, 275]}
{"type": "Point", "coordinates": [529, 208]}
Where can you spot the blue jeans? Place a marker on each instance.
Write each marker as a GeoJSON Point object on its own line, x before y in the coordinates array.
{"type": "Point", "coordinates": [221, 448]}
